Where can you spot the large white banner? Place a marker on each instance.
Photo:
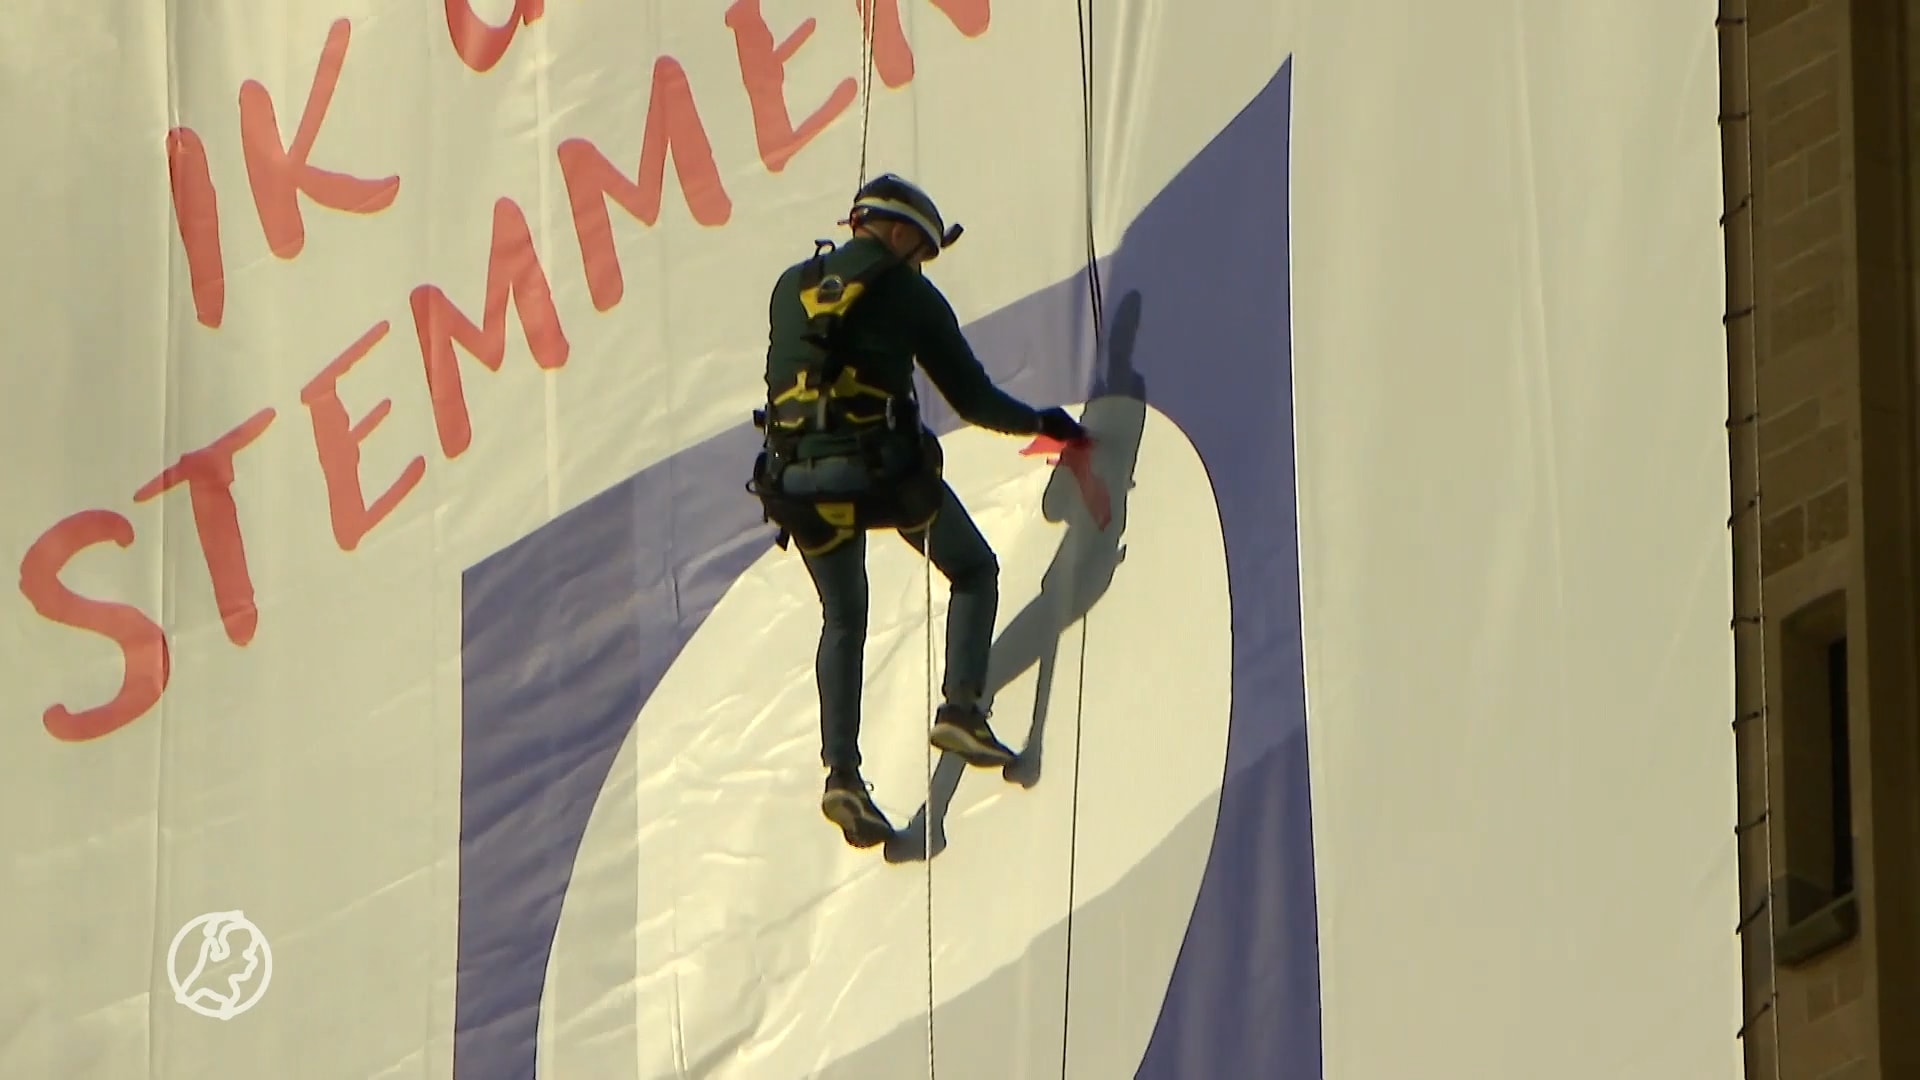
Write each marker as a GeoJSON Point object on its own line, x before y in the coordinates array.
{"type": "Point", "coordinates": [400, 682]}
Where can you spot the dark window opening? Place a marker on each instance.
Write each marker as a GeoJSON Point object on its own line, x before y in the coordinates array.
{"type": "Point", "coordinates": [1812, 801]}
{"type": "Point", "coordinates": [1840, 773]}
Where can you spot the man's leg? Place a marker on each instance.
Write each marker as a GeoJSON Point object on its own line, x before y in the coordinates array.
{"type": "Point", "coordinates": [840, 578]}
{"type": "Point", "coordinates": [954, 545]}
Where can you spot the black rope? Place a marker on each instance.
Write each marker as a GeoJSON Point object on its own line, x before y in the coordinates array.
{"type": "Point", "coordinates": [868, 29]}
{"type": "Point", "coordinates": [1097, 300]}
{"type": "Point", "coordinates": [1097, 310]}
{"type": "Point", "coordinates": [868, 32]}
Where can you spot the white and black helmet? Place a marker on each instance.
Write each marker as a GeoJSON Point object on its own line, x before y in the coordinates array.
{"type": "Point", "coordinates": [889, 196]}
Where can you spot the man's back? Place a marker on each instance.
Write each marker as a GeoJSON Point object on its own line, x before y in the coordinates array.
{"type": "Point", "coordinates": [879, 330]}
{"type": "Point", "coordinates": [900, 317]}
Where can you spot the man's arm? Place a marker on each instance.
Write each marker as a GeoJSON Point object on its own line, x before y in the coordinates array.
{"type": "Point", "coordinates": [957, 373]}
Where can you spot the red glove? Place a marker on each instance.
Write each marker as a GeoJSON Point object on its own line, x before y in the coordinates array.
{"type": "Point", "coordinates": [1077, 456]}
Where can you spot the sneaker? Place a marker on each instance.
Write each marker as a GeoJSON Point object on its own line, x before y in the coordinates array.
{"type": "Point", "coordinates": [846, 803]}
{"type": "Point", "coordinates": [962, 730]}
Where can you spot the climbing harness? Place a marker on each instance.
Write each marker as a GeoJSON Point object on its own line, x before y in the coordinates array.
{"type": "Point", "coordinates": [888, 465]}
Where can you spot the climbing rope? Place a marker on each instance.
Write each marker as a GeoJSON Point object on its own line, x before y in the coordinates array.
{"type": "Point", "coordinates": [926, 830]}
{"type": "Point", "coordinates": [868, 23]}
{"type": "Point", "coordinates": [1096, 306]}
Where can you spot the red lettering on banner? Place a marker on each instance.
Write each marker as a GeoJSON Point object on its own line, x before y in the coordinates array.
{"type": "Point", "coordinates": [279, 173]}
{"type": "Point", "coordinates": [337, 439]}
{"type": "Point", "coordinates": [892, 56]}
{"type": "Point", "coordinates": [208, 474]}
{"type": "Point", "coordinates": [478, 43]}
{"type": "Point", "coordinates": [672, 124]}
{"type": "Point", "coordinates": [143, 645]}
{"type": "Point", "coordinates": [282, 177]}
{"type": "Point", "coordinates": [763, 68]}
{"type": "Point", "coordinates": [513, 272]}
{"type": "Point", "coordinates": [196, 211]}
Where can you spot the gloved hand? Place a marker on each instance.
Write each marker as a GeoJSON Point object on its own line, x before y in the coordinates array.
{"type": "Point", "coordinates": [1056, 424]}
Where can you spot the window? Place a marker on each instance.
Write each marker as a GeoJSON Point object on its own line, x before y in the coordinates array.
{"type": "Point", "coordinates": [1813, 803]}
{"type": "Point", "coordinates": [1839, 771]}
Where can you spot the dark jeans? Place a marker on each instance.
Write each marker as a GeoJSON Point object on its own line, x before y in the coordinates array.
{"type": "Point", "coordinates": [964, 558]}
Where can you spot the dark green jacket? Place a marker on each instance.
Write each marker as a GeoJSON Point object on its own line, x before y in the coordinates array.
{"type": "Point", "coordinates": [901, 316]}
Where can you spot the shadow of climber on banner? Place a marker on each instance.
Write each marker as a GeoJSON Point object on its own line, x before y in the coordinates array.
{"type": "Point", "coordinates": [1088, 492]}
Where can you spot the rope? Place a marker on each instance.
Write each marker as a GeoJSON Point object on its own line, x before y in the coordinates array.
{"type": "Point", "coordinates": [868, 22]}
{"type": "Point", "coordinates": [926, 832]}
{"type": "Point", "coordinates": [1097, 308]}
{"type": "Point", "coordinates": [867, 35]}
{"type": "Point", "coordinates": [1096, 305]}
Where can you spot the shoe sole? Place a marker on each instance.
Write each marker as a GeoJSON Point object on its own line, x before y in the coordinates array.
{"type": "Point", "coordinates": [961, 742]}
{"type": "Point", "coordinates": [860, 830]}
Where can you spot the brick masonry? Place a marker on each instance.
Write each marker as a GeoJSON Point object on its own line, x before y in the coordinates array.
{"type": "Point", "coordinates": [1827, 86]}
{"type": "Point", "coordinates": [1803, 253]}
